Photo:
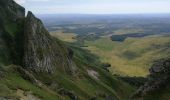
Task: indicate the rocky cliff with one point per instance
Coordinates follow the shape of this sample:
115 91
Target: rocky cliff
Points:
43 53
26 42
10 11
10 30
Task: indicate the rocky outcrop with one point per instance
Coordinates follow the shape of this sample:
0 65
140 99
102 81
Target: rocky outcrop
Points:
43 53
159 78
65 92
6 98
10 10
10 14
40 52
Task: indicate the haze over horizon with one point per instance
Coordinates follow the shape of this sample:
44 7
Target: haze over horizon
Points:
96 6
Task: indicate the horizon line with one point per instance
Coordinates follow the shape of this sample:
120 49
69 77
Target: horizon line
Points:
101 13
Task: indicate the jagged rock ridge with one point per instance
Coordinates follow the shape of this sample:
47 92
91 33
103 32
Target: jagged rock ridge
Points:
26 42
43 53
10 10
10 15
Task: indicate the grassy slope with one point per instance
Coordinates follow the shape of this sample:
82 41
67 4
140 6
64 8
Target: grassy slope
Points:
106 80
133 57
13 81
83 85
69 37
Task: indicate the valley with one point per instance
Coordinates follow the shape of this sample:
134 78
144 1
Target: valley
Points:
142 43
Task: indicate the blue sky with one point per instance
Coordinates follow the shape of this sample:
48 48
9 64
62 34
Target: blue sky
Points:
96 6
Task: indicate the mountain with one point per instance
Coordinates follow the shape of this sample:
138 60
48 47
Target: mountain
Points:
36 66
43 51
10 19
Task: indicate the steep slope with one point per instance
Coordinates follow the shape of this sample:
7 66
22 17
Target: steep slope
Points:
10 11
10 30
45 53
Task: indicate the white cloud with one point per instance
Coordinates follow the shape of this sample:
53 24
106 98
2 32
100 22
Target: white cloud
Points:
20 1
39 0
96 7
24 1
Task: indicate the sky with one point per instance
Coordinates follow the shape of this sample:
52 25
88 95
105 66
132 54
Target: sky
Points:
96 6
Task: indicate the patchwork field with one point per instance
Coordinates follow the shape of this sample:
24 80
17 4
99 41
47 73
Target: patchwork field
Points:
129 44
134 56
69 37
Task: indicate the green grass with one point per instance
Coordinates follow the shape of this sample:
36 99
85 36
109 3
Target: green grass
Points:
82 84
5 91
11 28
84 87
69 37
127 31
161 94
134 56
13 81
84 56
103 44
4 54
107 82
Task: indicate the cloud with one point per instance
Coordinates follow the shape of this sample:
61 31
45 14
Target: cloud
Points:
39 0
24 1
20 1
96 7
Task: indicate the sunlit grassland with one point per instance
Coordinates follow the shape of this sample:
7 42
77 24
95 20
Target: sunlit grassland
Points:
127 30
69 37
132 57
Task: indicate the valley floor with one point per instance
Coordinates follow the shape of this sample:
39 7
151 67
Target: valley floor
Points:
132 57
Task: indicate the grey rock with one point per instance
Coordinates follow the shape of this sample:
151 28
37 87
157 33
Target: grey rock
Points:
11 10
68 93
43 53
159 78
6 98
9 13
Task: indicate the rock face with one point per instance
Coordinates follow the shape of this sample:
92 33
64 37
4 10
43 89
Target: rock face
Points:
28 43
159 78
10 13
43 53
10 10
